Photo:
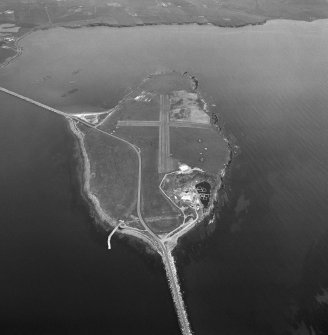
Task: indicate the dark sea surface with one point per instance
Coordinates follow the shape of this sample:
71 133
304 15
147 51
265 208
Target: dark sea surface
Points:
57 276
257 270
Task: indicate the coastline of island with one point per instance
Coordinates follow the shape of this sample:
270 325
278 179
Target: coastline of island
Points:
108 223
103 219
98 214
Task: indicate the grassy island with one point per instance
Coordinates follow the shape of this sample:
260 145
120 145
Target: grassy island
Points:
153 165
167 123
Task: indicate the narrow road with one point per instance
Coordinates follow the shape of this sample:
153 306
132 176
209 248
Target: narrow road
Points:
165 253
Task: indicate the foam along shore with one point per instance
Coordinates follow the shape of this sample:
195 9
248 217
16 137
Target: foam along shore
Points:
94 202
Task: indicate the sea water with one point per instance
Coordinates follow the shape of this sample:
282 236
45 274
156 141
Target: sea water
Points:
257 268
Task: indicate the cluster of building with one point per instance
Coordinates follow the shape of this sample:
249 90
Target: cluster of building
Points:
7 31
7 17
190 197
7 39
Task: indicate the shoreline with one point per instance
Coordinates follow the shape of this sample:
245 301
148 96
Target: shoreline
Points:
100 217
90 24
107 222
155 243
19 49
164 251
148 24
172 241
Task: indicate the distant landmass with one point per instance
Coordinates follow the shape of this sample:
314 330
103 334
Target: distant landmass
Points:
20 17
121 13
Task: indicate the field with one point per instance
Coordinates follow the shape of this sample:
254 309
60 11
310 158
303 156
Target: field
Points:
138 108
114 173
153 204
166 83
203 148
5 54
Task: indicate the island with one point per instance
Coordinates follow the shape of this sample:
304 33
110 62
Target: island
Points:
152 165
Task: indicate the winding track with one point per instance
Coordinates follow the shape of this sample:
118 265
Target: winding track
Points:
167 257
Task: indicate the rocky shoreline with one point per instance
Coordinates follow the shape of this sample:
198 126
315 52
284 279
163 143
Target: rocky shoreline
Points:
104 220
77 25
101 218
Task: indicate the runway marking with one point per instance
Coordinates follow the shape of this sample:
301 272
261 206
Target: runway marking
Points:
165 162
136 123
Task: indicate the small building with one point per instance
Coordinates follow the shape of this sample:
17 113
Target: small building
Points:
184 168
9 39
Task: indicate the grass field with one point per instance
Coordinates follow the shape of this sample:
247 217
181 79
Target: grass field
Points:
203 148
114 173
164 224
153 203
166 83
138 109
5 54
